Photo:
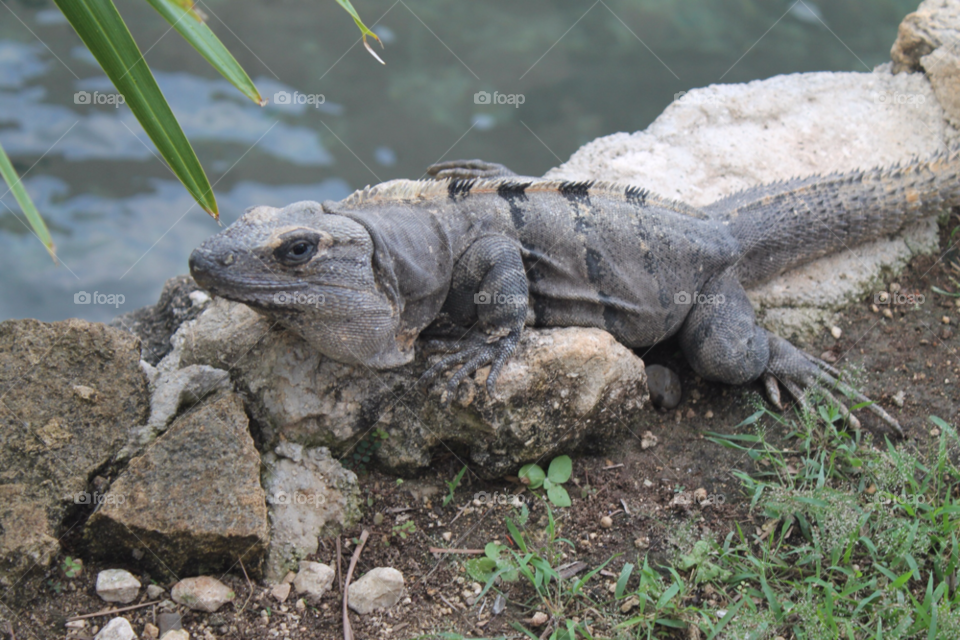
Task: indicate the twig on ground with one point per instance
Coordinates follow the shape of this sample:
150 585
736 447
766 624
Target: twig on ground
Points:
249 586
339 566
612 466
476 524
110 612
464 551
347 631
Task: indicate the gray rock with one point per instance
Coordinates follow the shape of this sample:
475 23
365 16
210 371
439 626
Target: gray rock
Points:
53 438
171 392
378 589
563 389
720 139
193 499
310 495
117 585
665 387
177 634
169 621
156 323
929 40
117 629
202 593
154 591
314 579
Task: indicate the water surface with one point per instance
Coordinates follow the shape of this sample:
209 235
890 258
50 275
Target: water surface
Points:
563 72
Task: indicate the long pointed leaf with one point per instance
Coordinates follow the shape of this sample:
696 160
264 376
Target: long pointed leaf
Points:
190 25
26 204
101 28
363 28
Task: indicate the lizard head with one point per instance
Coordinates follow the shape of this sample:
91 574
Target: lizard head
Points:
310 271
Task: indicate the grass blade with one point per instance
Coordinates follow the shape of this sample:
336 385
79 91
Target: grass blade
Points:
26 204
101 28
190 25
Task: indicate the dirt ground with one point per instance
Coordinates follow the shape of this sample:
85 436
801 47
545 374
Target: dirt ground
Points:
914 352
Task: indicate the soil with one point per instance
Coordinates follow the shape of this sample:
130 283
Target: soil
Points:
910 358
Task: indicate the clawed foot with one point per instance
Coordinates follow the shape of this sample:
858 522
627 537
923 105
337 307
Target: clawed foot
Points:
468 170
476 351
821 377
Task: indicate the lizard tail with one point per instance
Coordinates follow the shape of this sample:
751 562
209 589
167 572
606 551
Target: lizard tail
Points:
786 224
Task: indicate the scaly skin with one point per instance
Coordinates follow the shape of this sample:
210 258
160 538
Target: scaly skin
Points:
486 252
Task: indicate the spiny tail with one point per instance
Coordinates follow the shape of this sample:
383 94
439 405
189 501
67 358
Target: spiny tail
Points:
786 224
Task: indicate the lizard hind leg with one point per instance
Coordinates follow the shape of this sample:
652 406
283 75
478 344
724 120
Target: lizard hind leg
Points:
719 337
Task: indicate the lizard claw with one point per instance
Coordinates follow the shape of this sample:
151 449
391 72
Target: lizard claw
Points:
799 387
472 357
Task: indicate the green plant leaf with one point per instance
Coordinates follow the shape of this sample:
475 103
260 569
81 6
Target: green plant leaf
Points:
560 470
101 28
363 28
534 474
189 24
559 496
26 204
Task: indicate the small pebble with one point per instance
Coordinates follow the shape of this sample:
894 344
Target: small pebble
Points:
894 287
887 313
836 332
700 495
280 592
154 591
117 629
447 536
378 519
934 432
606 522
648 440
828 356
874 308
708 414
691 414
539 619
945 319
117 585
151 631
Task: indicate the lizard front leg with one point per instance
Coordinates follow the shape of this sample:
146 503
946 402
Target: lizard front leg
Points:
722 342
488 294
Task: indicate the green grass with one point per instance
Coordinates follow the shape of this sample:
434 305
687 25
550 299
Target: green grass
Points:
856 541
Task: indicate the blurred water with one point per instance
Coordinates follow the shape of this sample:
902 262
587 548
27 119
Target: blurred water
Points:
558 75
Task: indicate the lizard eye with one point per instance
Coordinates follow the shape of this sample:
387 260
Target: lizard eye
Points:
296 251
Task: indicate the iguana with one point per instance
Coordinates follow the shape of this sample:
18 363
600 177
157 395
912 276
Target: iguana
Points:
487 251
